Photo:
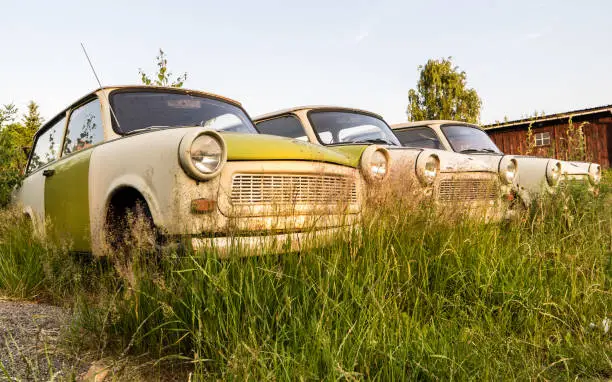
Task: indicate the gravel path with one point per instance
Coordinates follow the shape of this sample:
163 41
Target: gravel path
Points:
29 334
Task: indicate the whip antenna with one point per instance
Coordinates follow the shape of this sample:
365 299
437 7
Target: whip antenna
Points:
100 83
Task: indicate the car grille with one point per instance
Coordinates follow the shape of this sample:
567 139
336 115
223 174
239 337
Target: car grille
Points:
292 189
467 190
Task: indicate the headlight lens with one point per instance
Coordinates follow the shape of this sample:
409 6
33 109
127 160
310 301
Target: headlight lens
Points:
375 163
206 154
202 154
430 170
378 165
553 174
509 172
595 173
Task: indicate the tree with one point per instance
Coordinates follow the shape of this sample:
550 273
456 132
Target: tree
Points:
7 114
13 137
32 121
442 93
162 78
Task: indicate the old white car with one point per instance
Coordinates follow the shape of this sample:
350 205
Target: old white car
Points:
452 179
195 164
537 175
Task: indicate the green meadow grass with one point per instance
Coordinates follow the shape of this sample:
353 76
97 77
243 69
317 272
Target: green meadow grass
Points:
407 297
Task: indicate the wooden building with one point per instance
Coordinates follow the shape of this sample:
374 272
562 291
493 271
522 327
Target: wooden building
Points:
559 135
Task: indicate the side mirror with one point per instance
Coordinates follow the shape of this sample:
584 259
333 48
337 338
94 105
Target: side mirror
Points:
26 150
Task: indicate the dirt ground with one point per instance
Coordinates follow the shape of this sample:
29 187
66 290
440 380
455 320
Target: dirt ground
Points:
29 335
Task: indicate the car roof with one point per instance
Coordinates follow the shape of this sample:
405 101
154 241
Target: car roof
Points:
290 110
144 87
403 125
89 95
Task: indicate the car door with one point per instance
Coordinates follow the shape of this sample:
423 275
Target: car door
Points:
45 152
67 181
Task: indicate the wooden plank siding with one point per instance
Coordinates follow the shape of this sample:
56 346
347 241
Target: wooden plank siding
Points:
597 131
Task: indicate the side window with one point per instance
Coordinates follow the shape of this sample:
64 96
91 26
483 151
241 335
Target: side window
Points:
287 126
422 137
542 139
84 128
47 146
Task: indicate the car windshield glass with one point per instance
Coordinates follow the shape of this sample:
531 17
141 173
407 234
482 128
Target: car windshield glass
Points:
142 109
350 127
469 139
422 137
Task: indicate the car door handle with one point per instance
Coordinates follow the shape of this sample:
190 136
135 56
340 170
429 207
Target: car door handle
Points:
49 172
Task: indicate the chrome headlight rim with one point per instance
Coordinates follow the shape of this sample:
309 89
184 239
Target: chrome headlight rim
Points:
594 174
427 176
185 157
506 175
366 164
553 173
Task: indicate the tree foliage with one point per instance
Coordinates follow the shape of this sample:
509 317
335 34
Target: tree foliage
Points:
14 136
32 121
163 76
442 93
7 114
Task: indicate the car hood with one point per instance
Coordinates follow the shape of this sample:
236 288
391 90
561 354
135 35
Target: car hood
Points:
406 156
271 147
575 168
451 161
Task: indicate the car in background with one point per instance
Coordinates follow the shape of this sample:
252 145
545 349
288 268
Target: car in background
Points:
196 167
452 179
537 176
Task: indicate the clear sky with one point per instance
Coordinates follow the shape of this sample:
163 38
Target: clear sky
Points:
520 56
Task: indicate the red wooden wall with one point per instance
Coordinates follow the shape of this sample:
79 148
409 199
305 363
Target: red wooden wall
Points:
597 132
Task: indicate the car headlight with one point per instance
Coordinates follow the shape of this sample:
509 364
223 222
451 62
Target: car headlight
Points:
428 168
375 163
202 154
594 173
553 172
508 171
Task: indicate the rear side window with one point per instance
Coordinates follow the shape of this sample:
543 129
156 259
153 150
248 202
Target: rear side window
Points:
47 146
84 128
286 126
422 137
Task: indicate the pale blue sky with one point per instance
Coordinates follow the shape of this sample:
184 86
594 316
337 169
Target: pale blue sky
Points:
519 55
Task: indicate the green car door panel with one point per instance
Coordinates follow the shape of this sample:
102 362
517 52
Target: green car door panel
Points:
67 200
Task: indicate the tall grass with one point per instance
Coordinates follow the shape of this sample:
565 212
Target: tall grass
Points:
21 266
408 297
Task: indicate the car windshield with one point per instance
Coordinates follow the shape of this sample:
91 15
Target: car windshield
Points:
350 127
143 109
467 139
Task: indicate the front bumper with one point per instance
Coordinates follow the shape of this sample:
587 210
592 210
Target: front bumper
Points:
268 244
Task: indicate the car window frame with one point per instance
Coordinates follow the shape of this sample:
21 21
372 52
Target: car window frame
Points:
344 110
167 90
285 115
69 116
442 126
421 127
47 126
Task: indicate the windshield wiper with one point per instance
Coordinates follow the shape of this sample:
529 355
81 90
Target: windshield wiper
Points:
376 140
136 131
468 151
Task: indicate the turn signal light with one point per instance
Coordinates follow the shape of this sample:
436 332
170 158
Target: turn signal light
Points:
202 206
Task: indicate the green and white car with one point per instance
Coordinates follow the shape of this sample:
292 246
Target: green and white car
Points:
195 164
457 182
537 176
